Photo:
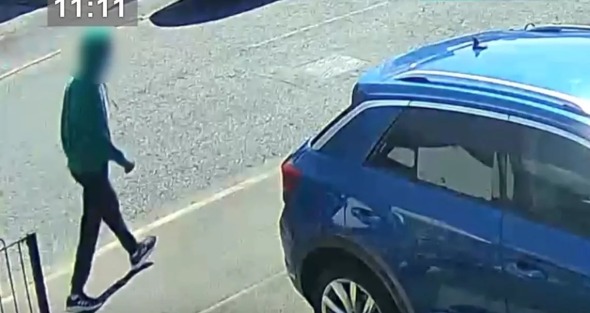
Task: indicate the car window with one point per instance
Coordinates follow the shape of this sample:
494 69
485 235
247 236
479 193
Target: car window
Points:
552 180
360 133
459 152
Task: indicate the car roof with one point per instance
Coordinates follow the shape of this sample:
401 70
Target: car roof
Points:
547 60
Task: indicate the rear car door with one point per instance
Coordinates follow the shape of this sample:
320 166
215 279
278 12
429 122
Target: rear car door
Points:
546 229
438 167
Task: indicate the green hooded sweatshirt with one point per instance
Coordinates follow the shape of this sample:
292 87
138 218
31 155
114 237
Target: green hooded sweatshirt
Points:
85 134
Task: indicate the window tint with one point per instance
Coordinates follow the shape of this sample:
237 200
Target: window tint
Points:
552 180
361 133
331 124
460 152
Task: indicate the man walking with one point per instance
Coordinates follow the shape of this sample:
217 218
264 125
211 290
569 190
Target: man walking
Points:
87 144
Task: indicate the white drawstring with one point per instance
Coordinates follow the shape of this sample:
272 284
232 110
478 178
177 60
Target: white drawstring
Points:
108 98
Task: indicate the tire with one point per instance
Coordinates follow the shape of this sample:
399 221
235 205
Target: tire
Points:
344 274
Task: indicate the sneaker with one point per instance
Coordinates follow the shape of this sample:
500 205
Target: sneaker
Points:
144 250
82 303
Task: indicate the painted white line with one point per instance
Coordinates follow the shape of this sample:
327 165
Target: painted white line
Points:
193 207
242 292
29 64
313 26
165 220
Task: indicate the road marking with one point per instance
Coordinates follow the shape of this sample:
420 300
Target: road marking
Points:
313 26
29 64
242 292
245 184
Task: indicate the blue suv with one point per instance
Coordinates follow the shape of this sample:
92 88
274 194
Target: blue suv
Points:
457 180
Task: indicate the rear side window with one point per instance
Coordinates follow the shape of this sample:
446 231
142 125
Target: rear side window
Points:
552 181
325 131
462 153
360 132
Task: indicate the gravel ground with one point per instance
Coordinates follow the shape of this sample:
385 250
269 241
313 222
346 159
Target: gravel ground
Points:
201 105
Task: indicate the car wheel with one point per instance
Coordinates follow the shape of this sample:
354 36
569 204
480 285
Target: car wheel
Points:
350 288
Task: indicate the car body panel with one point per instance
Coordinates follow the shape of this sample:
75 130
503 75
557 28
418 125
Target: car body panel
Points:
443 256
317 212
557 269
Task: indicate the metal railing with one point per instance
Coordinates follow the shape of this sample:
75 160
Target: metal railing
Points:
24 267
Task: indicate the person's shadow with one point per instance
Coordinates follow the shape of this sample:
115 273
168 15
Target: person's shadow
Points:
111 290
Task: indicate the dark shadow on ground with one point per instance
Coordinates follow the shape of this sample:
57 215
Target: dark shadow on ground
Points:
109 292
10 9
191 12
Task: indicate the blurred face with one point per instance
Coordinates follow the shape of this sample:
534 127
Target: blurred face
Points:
105 62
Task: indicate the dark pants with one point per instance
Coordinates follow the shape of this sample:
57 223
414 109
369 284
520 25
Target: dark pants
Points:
100 204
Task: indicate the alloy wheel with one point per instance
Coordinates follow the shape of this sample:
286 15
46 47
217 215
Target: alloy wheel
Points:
345 296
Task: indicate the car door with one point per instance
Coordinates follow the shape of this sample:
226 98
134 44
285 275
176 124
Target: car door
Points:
440 173
546 229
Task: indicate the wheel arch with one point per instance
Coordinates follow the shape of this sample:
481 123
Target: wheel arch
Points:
338 248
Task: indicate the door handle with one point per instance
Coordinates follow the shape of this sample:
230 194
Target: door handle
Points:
365 216
525 270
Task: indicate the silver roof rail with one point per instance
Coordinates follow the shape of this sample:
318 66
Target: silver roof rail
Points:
556 27
581 104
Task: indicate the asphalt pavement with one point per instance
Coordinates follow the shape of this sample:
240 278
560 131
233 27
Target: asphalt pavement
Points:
201 106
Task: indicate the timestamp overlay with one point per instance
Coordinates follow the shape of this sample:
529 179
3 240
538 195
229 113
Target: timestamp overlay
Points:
92 13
